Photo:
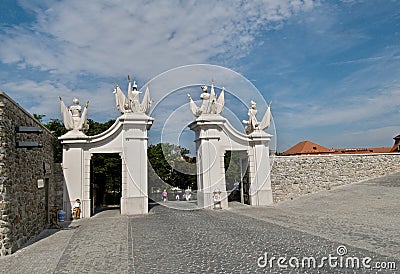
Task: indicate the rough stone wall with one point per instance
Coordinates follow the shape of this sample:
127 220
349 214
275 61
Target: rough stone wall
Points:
58 187
294 176
24 206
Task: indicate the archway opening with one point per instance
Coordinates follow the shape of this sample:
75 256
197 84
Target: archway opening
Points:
106 182
172 169
236 176
232 175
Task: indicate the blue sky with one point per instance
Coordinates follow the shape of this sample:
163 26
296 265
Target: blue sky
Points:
331 68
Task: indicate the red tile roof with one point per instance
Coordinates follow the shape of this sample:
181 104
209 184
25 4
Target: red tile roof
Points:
307 147
362 150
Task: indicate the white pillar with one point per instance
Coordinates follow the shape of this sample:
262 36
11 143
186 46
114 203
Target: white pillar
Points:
134 198
244 162
124 177
86 205
210 161
259 169
73 169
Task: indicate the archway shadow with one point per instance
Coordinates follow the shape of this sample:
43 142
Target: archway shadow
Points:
152 205
107 211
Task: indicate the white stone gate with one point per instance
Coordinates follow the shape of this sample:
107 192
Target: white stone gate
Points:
214 136
127 137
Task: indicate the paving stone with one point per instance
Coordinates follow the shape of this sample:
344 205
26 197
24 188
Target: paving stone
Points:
362 217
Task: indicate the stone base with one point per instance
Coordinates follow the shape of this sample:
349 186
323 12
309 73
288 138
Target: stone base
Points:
205 200
134 205
261 198
73 134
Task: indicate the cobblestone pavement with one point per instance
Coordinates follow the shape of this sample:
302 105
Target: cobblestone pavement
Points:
363 217
365 214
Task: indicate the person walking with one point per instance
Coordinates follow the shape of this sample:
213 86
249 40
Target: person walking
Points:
164 195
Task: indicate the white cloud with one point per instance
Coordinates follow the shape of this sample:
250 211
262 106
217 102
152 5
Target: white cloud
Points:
374 137
73 41
42 98
111 38
353 109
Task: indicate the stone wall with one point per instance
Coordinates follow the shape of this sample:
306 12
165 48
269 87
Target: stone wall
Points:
56 196
294 176
24 204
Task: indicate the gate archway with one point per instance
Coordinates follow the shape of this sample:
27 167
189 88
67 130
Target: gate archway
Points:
214 135
105 181
128 138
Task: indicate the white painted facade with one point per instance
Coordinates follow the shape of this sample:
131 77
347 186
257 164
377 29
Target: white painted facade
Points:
128 137
214 135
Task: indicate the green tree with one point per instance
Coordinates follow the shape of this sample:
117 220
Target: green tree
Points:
97 128
232 169
57 128
170 165
106 174
39 117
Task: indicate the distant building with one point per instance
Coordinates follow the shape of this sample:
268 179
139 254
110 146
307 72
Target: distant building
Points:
362 150
307 148
310 148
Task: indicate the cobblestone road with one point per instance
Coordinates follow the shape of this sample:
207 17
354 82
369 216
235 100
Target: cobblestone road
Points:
363 217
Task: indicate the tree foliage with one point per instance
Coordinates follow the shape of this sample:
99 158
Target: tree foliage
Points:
39 117
170 166
106 178
56 127
97 128
232 169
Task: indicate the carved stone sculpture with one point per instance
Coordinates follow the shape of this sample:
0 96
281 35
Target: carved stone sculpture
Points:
132 103
73 116
210 103
252 124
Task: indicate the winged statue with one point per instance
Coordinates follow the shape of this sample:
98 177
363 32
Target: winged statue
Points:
73 116
252 124
132 103
210 103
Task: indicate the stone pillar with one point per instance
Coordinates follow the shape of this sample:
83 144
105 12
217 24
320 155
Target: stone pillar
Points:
210 160
124 177
86 204
134 198
259 169
244 162
73 169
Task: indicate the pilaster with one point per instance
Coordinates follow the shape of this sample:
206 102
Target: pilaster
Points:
260 170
